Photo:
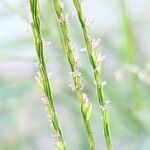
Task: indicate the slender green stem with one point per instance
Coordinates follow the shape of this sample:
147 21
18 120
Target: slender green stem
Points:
43 77
96 72
85 107
128 39
129 47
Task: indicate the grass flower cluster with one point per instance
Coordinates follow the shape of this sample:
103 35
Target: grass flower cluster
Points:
42 76
86 106
78 87
96 64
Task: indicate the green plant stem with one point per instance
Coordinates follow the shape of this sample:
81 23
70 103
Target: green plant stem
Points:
128 39
34 5
74 68
129 47
97 73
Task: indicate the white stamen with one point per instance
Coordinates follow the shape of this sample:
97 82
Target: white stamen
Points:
64 18
83 49
46 43
77 59
76 88
85 98
44 100
56 137
104 83
29 29
73 13
50 75
75 53
38 65
104 107
75 74
95 43
89 21
100 58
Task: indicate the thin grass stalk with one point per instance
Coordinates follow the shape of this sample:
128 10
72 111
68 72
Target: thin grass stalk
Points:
96 65
85 107
129 51
42 75
129 44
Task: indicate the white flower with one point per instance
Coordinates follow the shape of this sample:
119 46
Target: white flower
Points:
28 10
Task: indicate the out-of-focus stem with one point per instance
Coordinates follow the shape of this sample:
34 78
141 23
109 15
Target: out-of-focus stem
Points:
129 46
129 50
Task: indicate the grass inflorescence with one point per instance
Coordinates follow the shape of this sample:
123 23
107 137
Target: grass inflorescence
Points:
95 61
96 65
86 106
42 77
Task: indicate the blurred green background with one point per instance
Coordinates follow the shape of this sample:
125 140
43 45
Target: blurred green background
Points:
124 29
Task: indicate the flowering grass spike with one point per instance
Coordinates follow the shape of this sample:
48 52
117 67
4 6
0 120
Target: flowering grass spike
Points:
42 76
86 108
92 44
